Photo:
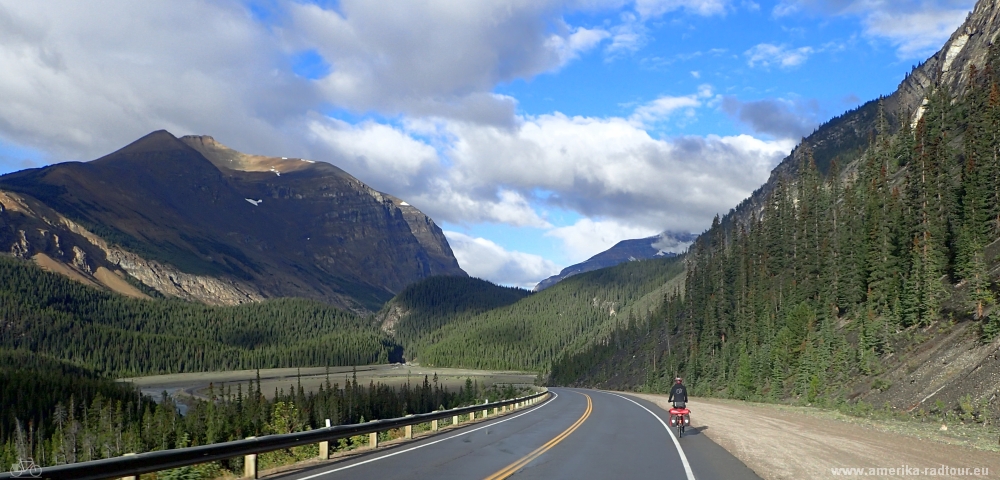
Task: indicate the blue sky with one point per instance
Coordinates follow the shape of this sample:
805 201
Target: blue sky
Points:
537 133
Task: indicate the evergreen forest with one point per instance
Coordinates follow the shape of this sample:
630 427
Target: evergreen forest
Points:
48 314
426 306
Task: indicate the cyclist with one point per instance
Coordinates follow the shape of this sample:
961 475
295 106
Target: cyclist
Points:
678 394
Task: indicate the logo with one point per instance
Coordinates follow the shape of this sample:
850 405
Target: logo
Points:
26 468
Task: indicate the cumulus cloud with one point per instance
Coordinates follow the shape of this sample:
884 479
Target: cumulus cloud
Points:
483 258
661 108
915 34
766 55
83 78
601 167
779 118
569 47
436 58
674 242
917 28
612 168
587 237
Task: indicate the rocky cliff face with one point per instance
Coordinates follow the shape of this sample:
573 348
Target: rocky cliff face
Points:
194 219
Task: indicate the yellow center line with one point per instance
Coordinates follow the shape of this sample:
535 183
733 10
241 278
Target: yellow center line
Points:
510 469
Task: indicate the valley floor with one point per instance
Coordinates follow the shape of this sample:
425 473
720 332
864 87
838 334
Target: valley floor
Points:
783 442
196 384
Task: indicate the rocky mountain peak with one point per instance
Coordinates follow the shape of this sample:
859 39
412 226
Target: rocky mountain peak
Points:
950 67
160 140
193 218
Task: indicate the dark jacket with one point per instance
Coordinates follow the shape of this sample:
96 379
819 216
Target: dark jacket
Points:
678 393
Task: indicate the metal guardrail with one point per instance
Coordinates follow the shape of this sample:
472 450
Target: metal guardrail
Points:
134 465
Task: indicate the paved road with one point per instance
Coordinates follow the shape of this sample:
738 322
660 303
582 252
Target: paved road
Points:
580 434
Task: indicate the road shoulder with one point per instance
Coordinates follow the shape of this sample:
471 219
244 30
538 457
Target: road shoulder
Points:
782 444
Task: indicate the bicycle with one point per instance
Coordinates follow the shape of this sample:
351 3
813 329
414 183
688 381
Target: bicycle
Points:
26 466
680 418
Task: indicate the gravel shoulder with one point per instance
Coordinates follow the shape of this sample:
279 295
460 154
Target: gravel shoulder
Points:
782 442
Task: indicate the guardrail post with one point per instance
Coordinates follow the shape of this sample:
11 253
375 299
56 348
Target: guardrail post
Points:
454 420
324 446
495 411
250 464
409 431
434 426
373 440
486 413
132 477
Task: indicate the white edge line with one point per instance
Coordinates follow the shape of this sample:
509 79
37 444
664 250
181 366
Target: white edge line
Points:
684 459
554 395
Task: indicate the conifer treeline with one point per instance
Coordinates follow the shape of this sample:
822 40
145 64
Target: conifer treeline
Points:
819 284
46 313
424 307
57 413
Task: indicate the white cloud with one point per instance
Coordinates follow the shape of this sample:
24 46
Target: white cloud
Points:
436 58
766 55
485 259
600 167
611 168
628 36
661 108
655 8
81 79
587 237
917 28
569 47
376 148
915 34
674 243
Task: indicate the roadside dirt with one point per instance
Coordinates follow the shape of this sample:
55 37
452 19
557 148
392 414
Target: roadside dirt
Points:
779 442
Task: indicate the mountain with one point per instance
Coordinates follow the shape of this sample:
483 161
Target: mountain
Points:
865 271
190 218
666 244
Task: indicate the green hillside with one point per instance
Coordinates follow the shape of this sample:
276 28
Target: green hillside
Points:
426 306
529 334
49 314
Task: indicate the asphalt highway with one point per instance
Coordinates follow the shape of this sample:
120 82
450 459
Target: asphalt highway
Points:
579 434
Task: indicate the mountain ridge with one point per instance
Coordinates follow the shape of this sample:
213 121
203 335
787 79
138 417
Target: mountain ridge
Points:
666 244
171 214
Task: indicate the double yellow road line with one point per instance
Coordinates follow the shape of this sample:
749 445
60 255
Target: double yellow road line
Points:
514 467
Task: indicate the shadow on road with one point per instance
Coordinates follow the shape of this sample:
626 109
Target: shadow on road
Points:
695 430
